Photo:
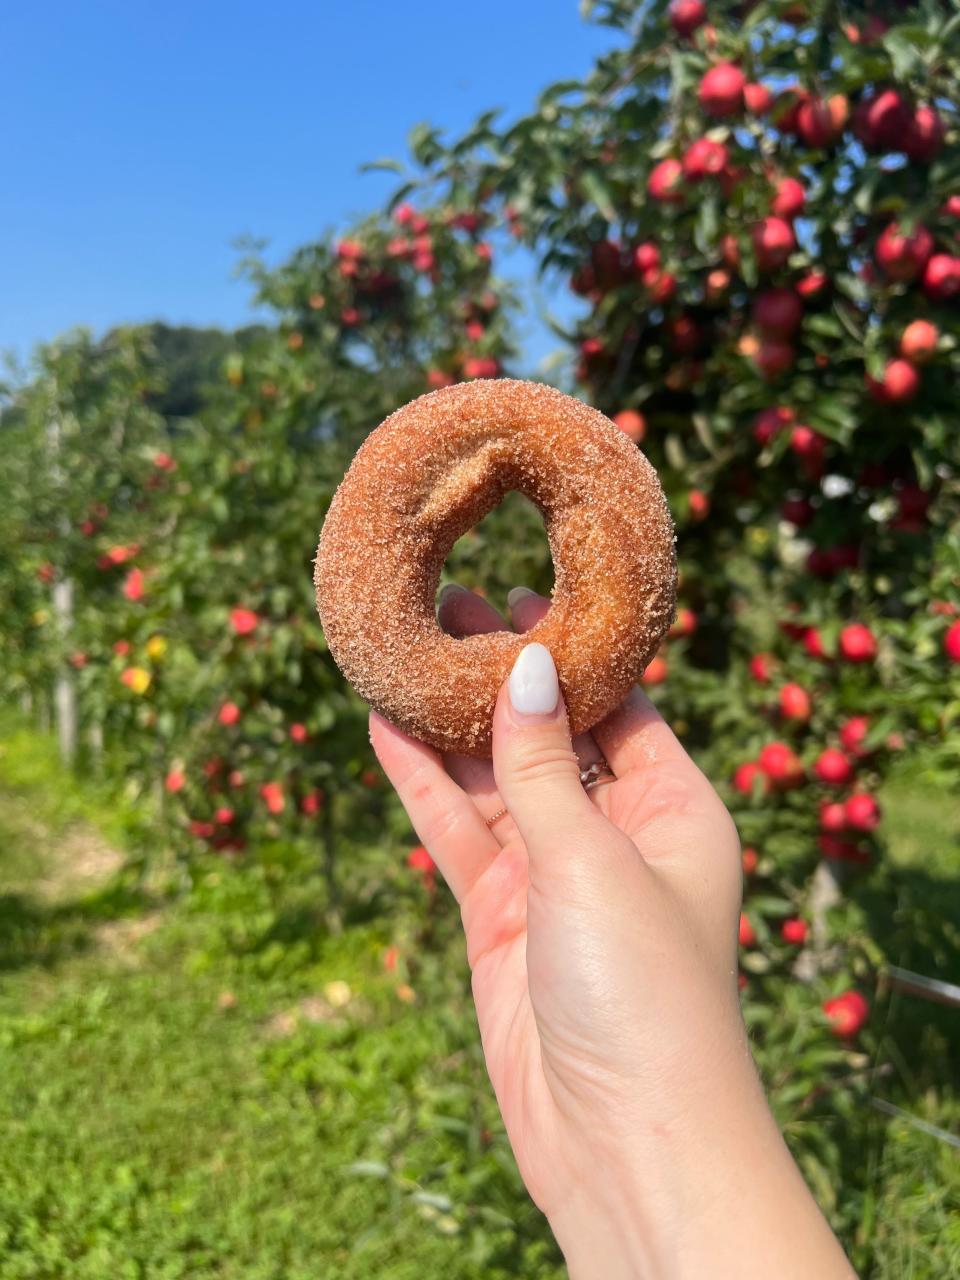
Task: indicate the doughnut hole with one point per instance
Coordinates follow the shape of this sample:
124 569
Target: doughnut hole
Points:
507 548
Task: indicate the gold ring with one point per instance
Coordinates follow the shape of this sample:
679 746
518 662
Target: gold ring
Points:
597 774
501 813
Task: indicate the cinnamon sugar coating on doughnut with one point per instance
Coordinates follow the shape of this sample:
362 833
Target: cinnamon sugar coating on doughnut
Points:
429 473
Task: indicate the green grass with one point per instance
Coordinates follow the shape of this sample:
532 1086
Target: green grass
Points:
201 1080
185 1094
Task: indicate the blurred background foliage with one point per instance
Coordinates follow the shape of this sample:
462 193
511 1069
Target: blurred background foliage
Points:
245 1046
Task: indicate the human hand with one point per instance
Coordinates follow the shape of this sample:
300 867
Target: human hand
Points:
601 932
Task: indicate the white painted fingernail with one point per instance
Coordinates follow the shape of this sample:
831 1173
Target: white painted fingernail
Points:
516 594
533 685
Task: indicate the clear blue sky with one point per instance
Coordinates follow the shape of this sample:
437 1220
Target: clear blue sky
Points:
141 139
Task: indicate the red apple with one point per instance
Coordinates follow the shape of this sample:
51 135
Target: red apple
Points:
834 849
781 765
761 667
665 182
656 672
745 775
481 367
730 251
820 122
951 642
813 643
698 505
900 383
646 257
685 623
833 767
631 423
769 422
418 859
175 781
704 158
833 816
772 356
846 1014
882 120
918 342
229 713
243 621
795 702
133 585
717 283
773 242
853 734
812 284
810 447
273 797
904 256
686 16
862 811
798 511
777 312
606 259
312 803
660 285
721 90
924 136
794 931
941 277
857 643
789 199
758 98
746 935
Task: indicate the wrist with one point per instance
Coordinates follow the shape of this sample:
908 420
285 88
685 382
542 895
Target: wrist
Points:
709 1189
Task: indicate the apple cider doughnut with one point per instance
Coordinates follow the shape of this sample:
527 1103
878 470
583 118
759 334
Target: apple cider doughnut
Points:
426 476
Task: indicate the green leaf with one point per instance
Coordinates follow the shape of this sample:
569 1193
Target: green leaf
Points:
707 225
596 190
676 454
368 1169
701 424
386 164
903 45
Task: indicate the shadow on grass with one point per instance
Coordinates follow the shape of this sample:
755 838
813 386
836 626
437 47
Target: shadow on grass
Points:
916 914
38 933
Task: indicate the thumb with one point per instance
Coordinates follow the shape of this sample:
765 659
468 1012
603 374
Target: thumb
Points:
534 763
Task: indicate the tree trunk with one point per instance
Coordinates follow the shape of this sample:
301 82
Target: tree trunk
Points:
64 689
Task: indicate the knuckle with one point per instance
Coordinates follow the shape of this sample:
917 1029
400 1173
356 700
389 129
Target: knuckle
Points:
540 760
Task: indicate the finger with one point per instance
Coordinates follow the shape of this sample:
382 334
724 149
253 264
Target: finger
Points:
461 612
526 610
635 736
534 763
673 814
445 819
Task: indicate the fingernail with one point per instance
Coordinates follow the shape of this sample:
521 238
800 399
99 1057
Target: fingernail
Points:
516 594
450 590
533 685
